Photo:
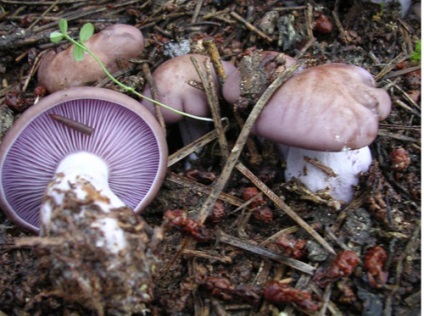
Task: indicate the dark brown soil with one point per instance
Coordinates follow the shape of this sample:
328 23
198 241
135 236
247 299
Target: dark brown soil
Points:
226 265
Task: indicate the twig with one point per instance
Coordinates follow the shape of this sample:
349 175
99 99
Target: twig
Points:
180 180
343 34
245 245
305 48
33 70
309 21
283 206
210 91
401 72
153 89
213 53
196 11
250 26
192 147
43 14
204 255
392 64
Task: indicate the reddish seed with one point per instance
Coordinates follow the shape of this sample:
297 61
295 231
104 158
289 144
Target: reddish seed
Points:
218 212
373 262
40 91
280 293
250 193
180 219
201 176
263 214
400 159
292 247
343 265
323 24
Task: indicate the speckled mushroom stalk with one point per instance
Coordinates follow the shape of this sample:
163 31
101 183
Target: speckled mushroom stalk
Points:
82 178
329 114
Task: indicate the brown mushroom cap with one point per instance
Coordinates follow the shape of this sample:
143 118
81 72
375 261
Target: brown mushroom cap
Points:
171 79
330 107
117 42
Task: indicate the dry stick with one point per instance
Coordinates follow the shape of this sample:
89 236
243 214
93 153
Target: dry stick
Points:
344 35
196 11
392 64
242 244
192 147
209 89
333 309
220 72
408 98
305 48
250 26
33 70
80 14
213 53
205 255
283 206
401 72
325 300
180 180
309 21
43 14
221 181
154 91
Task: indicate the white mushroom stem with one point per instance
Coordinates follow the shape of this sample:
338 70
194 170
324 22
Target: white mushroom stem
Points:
340 176
81 184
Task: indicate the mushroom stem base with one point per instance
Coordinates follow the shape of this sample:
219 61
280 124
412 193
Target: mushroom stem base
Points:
319 170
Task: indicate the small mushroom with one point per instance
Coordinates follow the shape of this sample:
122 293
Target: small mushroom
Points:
113 46
124 158
328 114
172 81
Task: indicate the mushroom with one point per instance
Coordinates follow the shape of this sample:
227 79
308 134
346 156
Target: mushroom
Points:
328 115
114 44
171 79
124 158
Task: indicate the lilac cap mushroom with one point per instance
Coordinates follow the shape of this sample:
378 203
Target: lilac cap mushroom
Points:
125 155
171 79
115 43
329 113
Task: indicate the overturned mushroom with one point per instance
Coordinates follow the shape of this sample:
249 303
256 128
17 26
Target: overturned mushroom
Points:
126 143
113 46
330 114
88 157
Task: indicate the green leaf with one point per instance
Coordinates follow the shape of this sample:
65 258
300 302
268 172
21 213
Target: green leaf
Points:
416 55
63 25
78 53
56 37
86 32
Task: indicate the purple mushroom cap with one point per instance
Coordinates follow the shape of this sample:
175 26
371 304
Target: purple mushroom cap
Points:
125 135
